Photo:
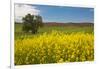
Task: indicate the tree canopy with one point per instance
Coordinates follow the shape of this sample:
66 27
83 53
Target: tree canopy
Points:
31 23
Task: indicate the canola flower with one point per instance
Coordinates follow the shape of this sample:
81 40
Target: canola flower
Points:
56 47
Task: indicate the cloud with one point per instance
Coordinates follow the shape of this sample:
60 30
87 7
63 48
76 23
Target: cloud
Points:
21 10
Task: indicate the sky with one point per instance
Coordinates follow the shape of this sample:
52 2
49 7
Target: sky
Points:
49 13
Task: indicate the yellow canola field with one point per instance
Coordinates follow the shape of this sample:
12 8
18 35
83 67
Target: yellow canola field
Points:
56 47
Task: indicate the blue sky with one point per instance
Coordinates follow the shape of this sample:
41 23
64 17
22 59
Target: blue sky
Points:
60 13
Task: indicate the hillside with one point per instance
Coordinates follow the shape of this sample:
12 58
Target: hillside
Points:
65 24
68 24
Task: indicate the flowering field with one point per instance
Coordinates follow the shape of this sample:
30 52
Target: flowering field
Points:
55 47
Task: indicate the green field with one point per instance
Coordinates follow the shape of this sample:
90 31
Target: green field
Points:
67 29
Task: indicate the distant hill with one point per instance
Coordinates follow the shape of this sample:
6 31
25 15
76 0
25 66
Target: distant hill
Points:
64 24
67 24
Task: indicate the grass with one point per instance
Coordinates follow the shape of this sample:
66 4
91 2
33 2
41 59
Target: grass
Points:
68 29
19 34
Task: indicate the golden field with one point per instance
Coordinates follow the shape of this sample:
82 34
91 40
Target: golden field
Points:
56 47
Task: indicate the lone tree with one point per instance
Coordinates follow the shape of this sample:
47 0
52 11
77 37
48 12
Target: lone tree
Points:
32 23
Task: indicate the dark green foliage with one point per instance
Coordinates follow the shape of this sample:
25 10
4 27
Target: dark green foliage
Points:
31 23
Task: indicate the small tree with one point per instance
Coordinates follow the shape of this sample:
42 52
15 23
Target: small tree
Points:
32 23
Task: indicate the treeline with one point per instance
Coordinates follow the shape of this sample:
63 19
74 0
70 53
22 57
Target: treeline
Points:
68 24
64 24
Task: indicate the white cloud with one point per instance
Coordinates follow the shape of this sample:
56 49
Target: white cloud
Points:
22 10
